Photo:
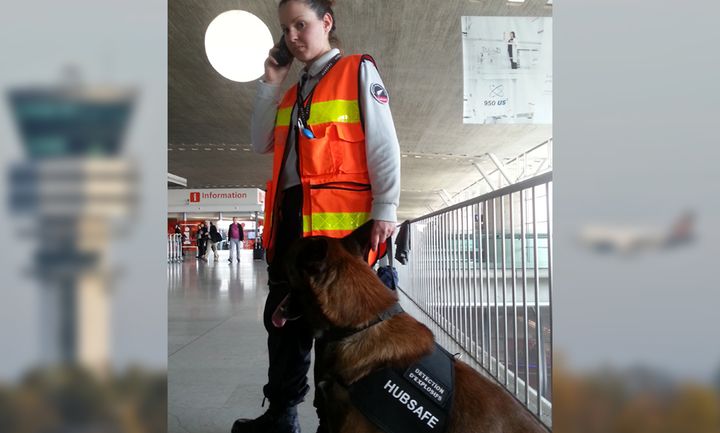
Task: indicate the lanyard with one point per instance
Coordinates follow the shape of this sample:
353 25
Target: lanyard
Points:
303 106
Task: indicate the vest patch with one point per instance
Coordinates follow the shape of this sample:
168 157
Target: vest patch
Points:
379 93
416 400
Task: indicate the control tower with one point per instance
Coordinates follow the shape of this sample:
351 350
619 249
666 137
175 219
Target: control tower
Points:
70 194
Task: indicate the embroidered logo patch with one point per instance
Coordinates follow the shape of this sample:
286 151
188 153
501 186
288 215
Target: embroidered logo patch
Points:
379 93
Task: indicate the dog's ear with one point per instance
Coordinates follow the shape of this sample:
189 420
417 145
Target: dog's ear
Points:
311 258
358 242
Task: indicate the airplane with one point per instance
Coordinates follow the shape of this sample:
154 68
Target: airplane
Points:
631 240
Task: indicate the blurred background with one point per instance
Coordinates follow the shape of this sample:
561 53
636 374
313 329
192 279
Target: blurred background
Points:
83 156
636 213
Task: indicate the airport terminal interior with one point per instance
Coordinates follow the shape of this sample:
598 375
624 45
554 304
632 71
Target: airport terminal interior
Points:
472 110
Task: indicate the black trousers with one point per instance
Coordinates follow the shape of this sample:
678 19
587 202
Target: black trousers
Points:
202 247
289 347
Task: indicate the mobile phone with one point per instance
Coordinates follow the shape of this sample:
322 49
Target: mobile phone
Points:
282 55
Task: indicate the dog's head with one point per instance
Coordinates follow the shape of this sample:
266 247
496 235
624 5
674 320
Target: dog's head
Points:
331 282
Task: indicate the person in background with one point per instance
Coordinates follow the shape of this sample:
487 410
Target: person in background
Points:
202 239
213 239
178 231
235 239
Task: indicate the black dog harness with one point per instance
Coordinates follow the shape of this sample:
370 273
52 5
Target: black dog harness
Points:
415 400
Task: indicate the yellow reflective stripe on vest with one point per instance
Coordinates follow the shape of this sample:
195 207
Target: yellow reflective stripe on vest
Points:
334 221
283 116
338 111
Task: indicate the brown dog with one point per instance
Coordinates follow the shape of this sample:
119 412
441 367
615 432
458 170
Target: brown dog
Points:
342 298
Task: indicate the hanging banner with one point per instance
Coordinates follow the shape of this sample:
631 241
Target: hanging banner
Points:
507 70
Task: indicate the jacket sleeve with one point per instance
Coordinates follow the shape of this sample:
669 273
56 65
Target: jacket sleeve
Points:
262 123
382 147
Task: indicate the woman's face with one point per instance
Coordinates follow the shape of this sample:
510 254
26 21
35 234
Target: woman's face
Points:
305 34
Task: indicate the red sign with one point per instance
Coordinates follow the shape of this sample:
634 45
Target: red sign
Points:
194 197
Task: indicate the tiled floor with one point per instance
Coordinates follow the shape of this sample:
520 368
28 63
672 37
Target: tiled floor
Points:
217 356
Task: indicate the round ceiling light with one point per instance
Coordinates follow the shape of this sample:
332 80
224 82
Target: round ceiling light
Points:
237 44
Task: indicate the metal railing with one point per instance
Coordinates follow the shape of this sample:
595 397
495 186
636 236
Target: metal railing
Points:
481 271
174 248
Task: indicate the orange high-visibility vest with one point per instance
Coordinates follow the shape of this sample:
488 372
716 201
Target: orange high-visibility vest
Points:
332 165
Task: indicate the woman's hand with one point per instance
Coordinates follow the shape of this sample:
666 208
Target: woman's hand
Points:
381 230
274 73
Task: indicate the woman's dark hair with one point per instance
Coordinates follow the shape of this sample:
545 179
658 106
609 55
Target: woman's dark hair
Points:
321 7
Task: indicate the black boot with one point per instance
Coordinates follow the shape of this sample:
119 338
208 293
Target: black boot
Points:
274 420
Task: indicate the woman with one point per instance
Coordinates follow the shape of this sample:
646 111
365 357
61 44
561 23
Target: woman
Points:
336 165
512 51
